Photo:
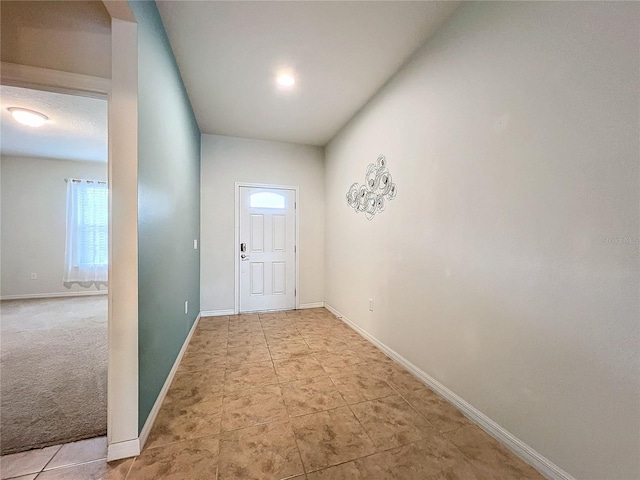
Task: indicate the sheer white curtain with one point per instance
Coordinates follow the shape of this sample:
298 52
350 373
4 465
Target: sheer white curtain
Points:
86 260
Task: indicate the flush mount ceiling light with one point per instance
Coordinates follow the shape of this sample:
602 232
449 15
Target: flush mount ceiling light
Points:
285 80
28 117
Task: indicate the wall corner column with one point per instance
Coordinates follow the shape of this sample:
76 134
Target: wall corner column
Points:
122 424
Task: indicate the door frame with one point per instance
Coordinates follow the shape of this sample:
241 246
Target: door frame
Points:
236 238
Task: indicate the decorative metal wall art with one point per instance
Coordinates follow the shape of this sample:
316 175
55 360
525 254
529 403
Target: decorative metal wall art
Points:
378 187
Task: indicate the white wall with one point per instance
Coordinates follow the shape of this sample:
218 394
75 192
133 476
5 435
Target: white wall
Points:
34 222
67 36
226 160
513 139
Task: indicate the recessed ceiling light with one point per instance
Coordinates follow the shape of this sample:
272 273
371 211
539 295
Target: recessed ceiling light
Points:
28 117
285 80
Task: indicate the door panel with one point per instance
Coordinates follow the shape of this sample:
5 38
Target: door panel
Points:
257 278
279 278
279 233
257 234
267 267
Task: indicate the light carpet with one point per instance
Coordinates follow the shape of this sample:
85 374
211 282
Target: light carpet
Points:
53 371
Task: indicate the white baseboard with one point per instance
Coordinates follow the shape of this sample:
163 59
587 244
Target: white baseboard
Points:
513 443
216 313
54 295
117 451
311 305
148 424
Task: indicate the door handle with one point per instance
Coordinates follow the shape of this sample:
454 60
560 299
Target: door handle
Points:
244 257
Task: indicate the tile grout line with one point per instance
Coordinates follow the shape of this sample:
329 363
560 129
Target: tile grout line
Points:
52 469
53 456
313 354
395 389
304 470
289 420
218 435
366 456
48 461
355 416
130 467
184 440
378 449
295 439
224 381
220 429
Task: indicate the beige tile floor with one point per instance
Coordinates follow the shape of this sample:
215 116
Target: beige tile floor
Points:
298 395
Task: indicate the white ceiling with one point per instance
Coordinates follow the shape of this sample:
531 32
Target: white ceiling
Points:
76 129
340 52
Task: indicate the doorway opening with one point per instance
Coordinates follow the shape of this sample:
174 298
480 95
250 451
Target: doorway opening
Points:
54 214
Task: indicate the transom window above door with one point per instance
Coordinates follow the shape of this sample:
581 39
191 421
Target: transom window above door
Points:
267 200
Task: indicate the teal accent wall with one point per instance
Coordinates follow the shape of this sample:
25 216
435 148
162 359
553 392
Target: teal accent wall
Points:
168 207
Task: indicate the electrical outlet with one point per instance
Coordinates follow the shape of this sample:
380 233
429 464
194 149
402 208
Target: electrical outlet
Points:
371 304
186 307
195 244
34 276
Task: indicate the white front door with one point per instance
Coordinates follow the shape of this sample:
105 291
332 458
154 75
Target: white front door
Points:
267 249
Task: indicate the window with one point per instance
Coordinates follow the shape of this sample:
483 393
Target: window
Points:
266 200
86 253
